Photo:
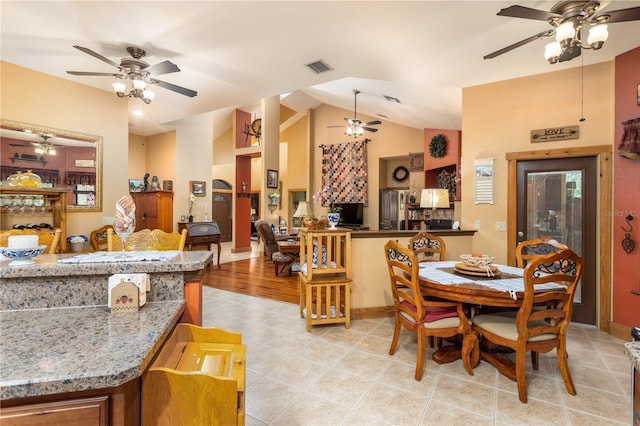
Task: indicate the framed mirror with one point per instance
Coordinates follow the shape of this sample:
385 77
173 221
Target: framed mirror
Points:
62 158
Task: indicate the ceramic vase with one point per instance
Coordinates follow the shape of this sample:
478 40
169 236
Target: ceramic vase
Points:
333 219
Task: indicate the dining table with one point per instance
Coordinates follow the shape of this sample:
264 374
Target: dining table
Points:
500 286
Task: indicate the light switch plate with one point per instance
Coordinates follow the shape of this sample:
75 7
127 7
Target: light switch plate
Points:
477 224
501 226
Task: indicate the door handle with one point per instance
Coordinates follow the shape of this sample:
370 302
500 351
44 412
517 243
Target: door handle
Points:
520 234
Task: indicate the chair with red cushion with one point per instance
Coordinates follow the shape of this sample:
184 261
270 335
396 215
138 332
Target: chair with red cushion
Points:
423 316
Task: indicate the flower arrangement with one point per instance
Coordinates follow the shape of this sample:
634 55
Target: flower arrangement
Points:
192 199
273 194
323 196
77 239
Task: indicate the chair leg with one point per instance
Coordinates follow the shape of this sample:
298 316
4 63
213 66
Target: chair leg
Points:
521 358
470 352
431 341
420 358
564 368
396 335
535 359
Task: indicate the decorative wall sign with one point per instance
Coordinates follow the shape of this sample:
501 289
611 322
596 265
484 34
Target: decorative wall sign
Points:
555 134
85 163
416 162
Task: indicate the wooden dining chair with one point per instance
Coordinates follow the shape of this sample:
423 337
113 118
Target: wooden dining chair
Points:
531 249
98 238
428 247
147 239
425 317
535 330
46 237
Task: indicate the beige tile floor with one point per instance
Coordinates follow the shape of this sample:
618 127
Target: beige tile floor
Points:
335 376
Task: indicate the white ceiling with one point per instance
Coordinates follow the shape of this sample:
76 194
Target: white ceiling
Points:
234 53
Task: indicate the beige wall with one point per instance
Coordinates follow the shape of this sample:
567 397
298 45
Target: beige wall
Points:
391 140
37 98
137 156
498 118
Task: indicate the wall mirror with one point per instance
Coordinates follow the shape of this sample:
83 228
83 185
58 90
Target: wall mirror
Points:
62 158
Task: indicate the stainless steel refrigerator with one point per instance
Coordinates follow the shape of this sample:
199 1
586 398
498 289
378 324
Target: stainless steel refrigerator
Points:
391 209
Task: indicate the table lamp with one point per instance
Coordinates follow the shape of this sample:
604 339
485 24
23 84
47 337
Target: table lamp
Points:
303 210
434 198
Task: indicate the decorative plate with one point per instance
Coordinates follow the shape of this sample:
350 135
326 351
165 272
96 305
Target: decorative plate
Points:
21 256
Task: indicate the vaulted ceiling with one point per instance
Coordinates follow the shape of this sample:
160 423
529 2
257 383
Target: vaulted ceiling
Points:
233 53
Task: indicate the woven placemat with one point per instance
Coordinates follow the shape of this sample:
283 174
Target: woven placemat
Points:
503 275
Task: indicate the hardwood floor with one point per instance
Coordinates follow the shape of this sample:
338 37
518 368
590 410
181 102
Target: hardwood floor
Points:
255 277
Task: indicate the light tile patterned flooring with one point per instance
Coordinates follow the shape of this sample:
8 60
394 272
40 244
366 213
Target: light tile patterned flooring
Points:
335 376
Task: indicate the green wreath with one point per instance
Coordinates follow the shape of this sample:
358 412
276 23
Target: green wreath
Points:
437 146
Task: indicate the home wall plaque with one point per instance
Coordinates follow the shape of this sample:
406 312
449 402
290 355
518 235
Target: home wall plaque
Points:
555 134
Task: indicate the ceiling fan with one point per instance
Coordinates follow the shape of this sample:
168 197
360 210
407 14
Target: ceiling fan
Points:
43 147
356 127
137 71
568 19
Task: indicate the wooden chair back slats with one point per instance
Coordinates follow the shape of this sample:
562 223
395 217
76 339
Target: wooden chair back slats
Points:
46 237
147 239
428 247
325 252
538 247
98 238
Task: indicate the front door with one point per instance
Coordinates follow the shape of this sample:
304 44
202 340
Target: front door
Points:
557 198
221 213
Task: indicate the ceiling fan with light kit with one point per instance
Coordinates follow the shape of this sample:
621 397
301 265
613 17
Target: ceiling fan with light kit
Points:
138 72
44 147
356 127
568 19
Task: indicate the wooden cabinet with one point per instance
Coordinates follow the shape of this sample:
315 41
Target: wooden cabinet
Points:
444 172
24 205
197 378
81 412
154 210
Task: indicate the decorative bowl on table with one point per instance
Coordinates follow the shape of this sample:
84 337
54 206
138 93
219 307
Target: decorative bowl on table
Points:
21 256
477 261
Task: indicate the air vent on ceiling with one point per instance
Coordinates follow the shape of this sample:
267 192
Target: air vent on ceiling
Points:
319 66
392 99
382 116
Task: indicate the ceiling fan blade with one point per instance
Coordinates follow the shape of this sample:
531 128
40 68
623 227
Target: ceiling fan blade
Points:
164 67
622 15
546 33
97 55
370 129
328 127
175 88
99 74
373 123
516 11
349 121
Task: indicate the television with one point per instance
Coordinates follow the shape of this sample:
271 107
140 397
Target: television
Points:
352 214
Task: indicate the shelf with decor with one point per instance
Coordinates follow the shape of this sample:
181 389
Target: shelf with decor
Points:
442 161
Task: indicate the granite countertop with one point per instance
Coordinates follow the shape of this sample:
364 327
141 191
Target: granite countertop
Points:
632 349
48 265
50 351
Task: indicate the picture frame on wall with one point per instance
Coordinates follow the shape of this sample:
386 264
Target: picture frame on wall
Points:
136 185
272 178
198 188
167 185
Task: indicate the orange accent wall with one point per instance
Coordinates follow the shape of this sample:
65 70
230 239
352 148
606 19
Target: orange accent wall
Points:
242 118
452 150
242 237
626 196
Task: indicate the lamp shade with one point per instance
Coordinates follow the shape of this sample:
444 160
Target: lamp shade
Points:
303 210
434 198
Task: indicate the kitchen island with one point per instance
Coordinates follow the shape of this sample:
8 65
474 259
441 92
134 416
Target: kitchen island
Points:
632 349
64 356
